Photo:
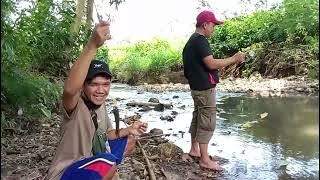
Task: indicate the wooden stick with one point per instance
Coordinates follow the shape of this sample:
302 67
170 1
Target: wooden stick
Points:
164 173
150 170
115 111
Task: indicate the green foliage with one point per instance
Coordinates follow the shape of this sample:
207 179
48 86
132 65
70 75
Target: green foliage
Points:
301 19
37 48
36 44
292 27
103 53
294 23
34 93
243 31
143 58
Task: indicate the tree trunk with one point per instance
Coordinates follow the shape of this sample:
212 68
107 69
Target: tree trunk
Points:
89 14
80 11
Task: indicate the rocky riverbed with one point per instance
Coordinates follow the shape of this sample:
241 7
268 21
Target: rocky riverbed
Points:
26 152
255 85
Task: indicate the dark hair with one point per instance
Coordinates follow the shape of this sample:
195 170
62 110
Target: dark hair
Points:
199 24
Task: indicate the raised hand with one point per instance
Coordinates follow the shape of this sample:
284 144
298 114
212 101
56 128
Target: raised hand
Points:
138 128
100 34
239 57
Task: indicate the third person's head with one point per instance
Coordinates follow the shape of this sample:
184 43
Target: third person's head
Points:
206 21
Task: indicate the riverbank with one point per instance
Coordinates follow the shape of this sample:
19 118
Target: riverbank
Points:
255 85
27 153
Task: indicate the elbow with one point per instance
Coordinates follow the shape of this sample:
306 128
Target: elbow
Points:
69 91
215 65
212 63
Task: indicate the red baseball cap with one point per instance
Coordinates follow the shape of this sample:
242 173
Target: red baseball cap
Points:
207 16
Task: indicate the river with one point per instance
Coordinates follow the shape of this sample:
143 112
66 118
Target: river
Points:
261 137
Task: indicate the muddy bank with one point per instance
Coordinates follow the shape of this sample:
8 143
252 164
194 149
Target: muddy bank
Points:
27 155
255 85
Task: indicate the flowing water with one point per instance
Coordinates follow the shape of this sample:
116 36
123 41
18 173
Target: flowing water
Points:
262 137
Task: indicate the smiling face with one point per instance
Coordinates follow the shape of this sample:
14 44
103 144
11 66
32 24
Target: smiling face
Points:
97 89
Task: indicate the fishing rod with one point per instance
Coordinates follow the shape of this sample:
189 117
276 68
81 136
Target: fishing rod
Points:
97 13
99 16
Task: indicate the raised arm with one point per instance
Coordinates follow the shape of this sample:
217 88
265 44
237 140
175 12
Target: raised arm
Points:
79 70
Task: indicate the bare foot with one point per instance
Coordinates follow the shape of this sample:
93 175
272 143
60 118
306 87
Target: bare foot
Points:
212 165
198 155
195 154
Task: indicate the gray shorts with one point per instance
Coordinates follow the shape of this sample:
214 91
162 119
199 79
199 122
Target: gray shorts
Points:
203 121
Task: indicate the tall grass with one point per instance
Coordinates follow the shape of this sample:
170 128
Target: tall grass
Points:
143 58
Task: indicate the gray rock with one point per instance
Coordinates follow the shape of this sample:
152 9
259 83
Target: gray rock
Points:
174 113
167 118
156 131
145 108
154 100
159 107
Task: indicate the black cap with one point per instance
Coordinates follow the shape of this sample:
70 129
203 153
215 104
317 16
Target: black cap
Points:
98 67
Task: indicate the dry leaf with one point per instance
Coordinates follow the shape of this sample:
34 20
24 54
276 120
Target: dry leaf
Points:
263 115
20 112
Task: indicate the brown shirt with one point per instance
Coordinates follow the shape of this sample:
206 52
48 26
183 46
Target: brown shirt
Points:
77 132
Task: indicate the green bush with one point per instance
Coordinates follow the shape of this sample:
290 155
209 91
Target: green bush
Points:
143 58
36 48
241 32
35 94
294 23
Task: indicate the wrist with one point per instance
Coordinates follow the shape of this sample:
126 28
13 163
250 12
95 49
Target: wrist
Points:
91 45
129 130
118 134
234 59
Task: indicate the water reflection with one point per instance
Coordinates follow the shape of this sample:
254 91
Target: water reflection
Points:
292 122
